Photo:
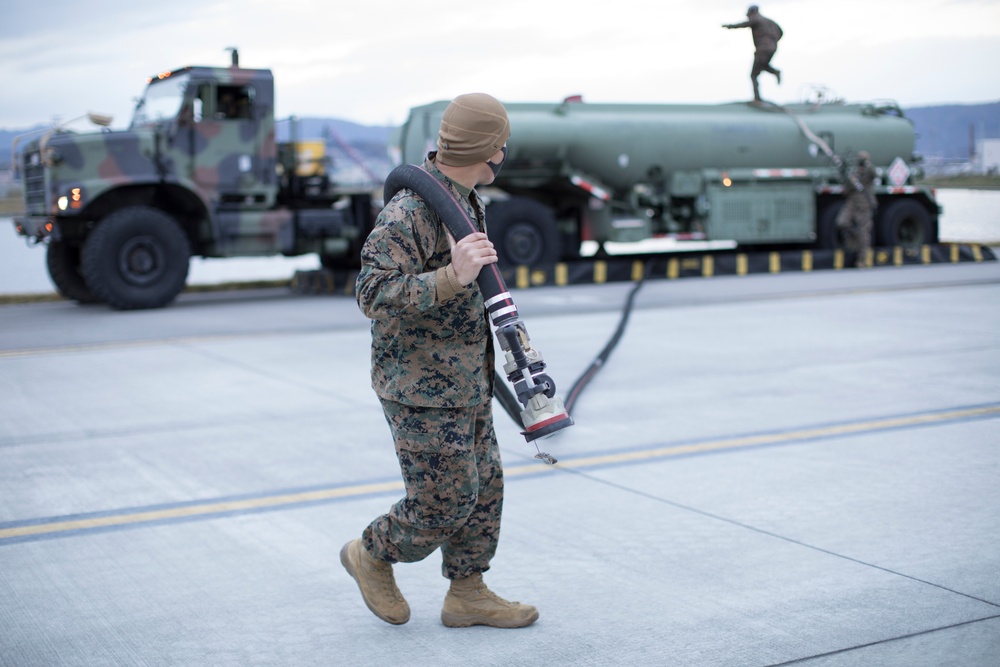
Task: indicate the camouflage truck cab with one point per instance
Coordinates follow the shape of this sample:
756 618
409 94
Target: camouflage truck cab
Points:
198 172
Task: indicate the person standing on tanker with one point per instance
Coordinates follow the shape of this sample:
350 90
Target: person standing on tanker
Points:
858 211
432 369
766 34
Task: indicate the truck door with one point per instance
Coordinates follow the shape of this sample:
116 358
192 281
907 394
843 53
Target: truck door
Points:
231 147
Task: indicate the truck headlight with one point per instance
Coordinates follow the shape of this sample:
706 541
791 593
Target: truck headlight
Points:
74 200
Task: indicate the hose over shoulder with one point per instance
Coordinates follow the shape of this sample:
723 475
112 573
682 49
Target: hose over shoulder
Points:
458 222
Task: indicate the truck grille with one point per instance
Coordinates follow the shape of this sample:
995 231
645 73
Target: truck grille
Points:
34 183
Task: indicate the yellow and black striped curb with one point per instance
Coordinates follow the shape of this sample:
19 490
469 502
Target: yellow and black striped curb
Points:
687 265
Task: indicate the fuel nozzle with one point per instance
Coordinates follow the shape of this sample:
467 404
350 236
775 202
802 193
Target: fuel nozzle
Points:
543 413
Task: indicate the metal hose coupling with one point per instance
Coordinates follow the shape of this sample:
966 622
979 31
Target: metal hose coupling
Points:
543 413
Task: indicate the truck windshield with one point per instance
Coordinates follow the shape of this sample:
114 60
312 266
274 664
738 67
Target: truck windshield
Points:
162 100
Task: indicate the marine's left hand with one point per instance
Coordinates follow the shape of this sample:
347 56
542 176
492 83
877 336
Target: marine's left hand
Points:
470 254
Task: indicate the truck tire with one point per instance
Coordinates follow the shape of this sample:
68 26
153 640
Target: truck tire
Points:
136 257
904 222
524 233
828 235
63 261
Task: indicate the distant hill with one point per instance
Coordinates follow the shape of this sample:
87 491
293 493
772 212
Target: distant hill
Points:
948 131
944 132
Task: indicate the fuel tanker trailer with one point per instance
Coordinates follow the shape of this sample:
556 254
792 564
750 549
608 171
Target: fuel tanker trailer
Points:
762 176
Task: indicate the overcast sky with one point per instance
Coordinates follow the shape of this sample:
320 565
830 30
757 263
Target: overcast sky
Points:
370 61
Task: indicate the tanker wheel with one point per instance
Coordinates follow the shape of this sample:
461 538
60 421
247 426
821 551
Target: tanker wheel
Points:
63 261
136 257
524 233
828 235
904 223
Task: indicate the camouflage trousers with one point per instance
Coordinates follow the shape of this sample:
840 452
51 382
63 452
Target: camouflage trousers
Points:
856 215
454 489
761 63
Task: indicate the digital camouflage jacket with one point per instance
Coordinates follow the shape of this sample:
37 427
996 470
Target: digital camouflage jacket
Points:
431 339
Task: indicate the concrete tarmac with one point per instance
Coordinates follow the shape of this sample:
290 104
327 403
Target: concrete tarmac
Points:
770 470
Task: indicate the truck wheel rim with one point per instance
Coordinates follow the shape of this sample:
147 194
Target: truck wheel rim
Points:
523 243
141 261
910 233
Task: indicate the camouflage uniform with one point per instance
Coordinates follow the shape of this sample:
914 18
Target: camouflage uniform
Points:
432 368
766 34
858 210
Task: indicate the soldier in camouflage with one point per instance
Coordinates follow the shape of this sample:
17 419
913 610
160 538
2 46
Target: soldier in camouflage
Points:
858 211
766 34
432 368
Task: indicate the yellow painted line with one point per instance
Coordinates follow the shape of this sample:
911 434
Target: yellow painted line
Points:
977 252
954 253
249 504
925 254
838 259
807 260
777 438
198 510
741 264
897 255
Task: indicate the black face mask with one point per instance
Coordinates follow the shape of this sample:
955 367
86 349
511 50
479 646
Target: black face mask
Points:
495 168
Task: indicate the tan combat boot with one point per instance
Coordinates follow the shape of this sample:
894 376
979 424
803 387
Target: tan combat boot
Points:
378 586
469 602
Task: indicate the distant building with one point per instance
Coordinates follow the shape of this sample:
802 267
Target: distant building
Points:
988 156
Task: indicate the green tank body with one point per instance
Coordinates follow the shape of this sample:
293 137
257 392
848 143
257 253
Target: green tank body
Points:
622 144
758 175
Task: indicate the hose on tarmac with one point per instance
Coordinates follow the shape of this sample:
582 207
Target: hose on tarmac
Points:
509 403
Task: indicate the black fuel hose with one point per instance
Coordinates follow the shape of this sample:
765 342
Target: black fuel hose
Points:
509 402
598 363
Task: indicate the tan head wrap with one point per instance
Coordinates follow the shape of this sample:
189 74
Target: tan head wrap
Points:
474 127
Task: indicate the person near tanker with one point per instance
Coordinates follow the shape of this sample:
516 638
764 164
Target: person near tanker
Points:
766 34
858 212
432 368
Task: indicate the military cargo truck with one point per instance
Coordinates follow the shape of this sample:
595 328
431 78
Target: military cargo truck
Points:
198 172
759 175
